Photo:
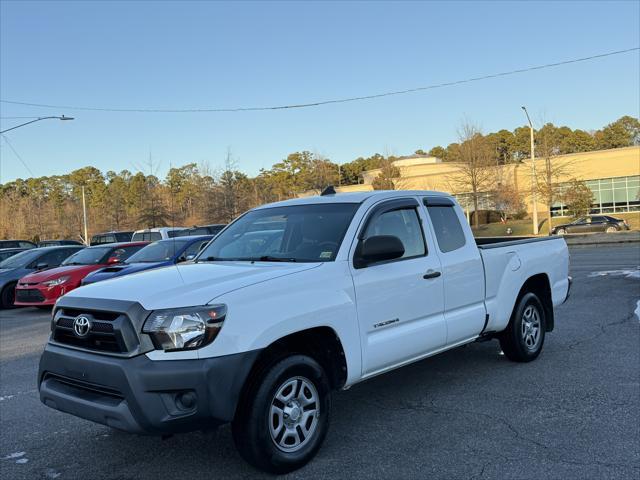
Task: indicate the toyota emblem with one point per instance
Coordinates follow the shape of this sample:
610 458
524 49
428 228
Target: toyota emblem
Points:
81 326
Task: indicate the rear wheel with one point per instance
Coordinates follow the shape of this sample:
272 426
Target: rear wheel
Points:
523 338
8 296
284 416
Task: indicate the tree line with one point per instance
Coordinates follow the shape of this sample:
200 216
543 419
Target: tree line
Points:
51 206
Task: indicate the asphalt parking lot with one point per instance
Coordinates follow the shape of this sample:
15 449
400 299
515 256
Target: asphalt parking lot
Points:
468 413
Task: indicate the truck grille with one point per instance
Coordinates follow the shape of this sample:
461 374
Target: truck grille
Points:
108 332
29 295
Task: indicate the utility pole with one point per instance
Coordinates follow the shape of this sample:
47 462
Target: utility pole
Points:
534 200
84 215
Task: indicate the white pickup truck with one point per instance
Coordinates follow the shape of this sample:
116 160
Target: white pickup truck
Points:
289 302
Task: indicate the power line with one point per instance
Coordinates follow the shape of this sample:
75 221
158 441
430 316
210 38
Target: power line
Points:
18 156
16 118
324 102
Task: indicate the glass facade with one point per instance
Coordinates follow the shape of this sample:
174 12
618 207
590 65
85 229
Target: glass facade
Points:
611 195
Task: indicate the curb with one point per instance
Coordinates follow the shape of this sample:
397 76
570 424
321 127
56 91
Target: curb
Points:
600 239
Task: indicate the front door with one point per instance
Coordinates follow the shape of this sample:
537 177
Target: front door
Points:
400 302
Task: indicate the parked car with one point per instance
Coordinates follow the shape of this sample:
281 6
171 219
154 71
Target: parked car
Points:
43 288
17 244
57 243
358 285
25 262
10 252
154 234
595 223
201 230
155 255
110 237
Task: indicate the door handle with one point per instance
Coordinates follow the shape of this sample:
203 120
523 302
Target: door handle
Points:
431 274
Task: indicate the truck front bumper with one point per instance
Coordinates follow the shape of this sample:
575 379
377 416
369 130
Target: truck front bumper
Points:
140 395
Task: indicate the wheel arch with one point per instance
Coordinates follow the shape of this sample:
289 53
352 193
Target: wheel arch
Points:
321 343
540 285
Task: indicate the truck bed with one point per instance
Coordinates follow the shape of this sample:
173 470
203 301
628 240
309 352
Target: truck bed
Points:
510 261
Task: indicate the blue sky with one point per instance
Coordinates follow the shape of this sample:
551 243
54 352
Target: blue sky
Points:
206 54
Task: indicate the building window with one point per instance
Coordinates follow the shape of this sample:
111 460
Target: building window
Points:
610 195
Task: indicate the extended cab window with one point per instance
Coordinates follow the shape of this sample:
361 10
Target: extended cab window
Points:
446 225
297 233
405 225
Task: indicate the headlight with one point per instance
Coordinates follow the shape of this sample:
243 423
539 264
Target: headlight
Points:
57 281
185 328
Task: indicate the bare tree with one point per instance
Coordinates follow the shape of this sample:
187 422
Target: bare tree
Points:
476 171
549 180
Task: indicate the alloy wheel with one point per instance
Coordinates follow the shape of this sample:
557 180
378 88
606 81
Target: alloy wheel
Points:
294 413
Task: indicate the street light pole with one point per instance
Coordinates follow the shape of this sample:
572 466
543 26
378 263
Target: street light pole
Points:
534 200
84 216
33 121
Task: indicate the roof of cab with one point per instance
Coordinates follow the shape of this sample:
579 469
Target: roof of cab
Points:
352 197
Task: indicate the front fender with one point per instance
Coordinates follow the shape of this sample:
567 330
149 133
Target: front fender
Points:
259 315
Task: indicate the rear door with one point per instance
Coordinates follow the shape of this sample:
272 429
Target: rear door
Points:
598 224
399 302
462 270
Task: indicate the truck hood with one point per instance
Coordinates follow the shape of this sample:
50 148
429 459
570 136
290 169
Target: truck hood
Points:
188 284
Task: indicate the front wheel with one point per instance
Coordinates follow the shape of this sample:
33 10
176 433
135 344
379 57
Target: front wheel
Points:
561 231
524 336
7 296
284 416
611 230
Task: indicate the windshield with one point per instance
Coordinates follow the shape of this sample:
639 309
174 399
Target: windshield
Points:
88 256
21 259
158 252
299 233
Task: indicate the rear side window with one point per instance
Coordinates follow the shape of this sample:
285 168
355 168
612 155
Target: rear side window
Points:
447 226
123 237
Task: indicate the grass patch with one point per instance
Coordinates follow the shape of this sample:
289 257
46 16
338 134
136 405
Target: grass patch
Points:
524 227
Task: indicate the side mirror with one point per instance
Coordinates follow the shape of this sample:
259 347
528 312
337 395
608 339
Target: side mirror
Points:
41 266
113 260
379 249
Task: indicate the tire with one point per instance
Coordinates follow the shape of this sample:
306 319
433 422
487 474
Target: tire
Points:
611 230
523 338
561 231
8 296
265 431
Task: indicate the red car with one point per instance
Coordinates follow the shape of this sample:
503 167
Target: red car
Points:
43 288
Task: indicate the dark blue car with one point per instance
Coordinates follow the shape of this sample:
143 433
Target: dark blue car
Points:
155 255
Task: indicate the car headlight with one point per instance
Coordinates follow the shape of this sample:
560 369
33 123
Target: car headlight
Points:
185 328
57 281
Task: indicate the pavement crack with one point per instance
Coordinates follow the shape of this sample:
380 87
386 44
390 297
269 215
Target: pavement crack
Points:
603 329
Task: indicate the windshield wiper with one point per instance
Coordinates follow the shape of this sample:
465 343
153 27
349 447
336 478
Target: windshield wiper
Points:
269 258
216 259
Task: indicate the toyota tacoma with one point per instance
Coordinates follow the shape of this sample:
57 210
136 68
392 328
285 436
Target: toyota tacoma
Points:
292 301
